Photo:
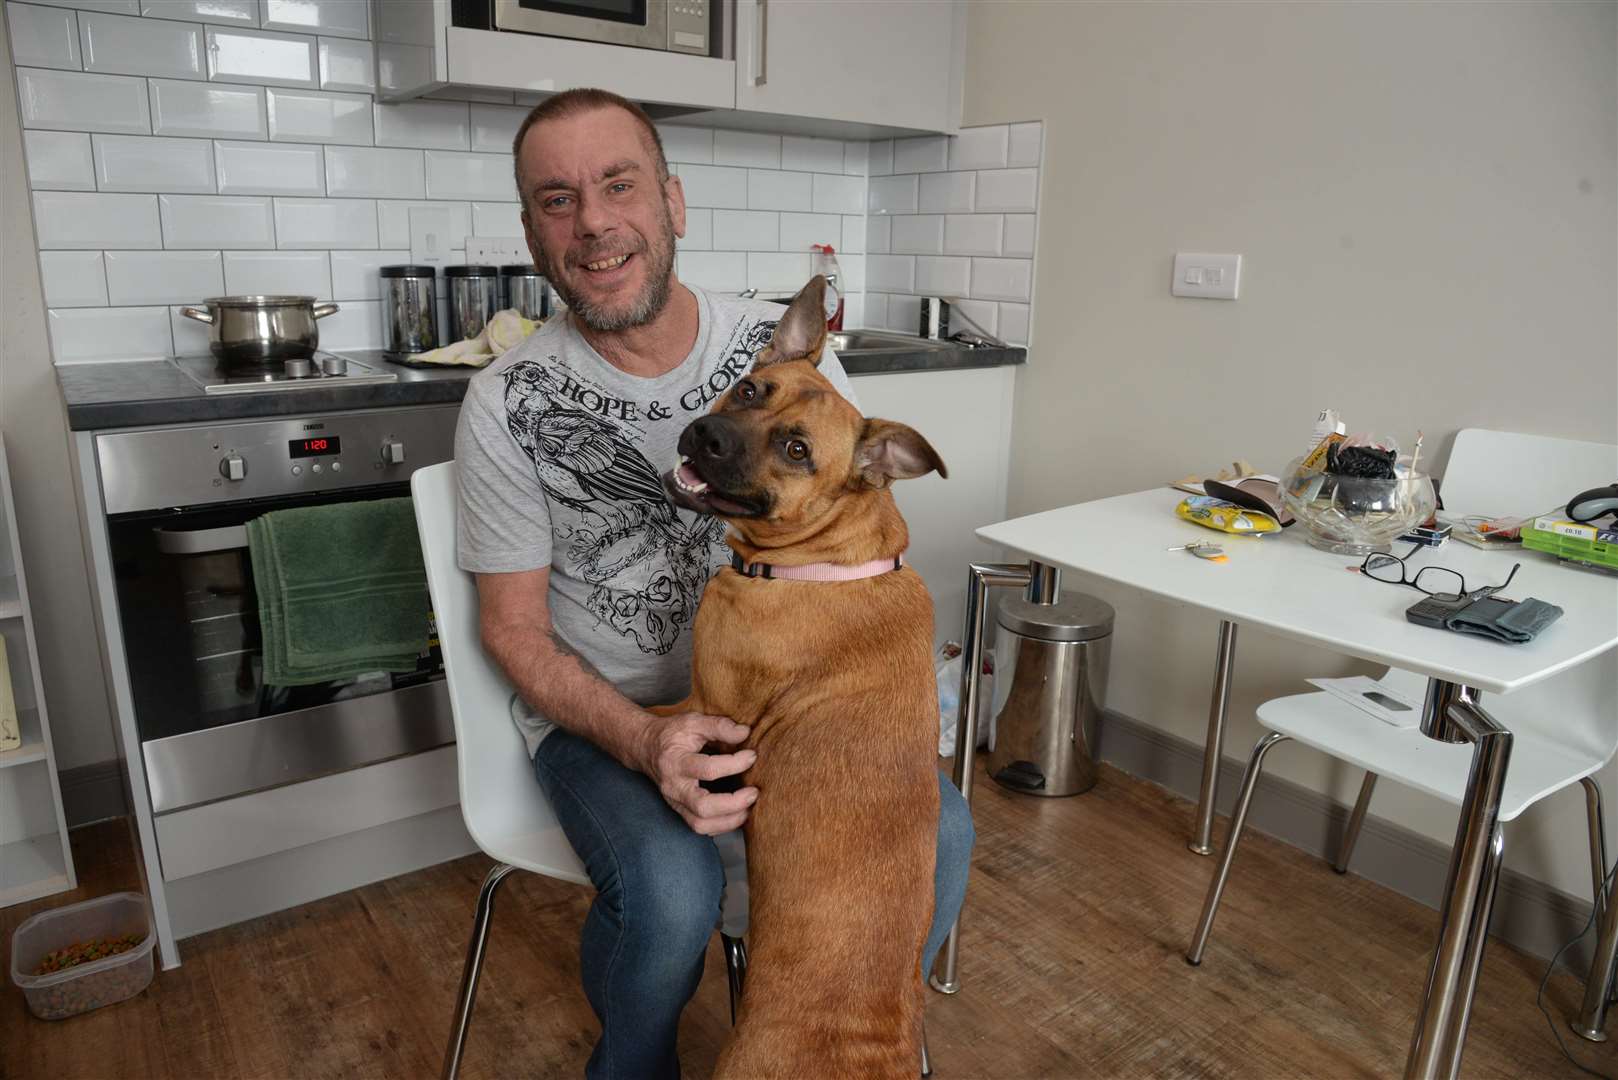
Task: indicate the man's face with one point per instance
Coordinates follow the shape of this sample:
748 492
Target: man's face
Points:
600 223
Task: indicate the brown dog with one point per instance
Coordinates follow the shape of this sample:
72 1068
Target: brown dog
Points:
835 680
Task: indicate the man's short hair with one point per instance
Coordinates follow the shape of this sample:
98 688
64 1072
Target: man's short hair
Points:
581 100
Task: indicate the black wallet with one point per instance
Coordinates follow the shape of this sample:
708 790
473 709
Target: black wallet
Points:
1487 615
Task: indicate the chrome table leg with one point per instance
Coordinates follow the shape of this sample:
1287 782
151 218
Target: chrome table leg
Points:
473 969
1593 1013
1351 834
1213 746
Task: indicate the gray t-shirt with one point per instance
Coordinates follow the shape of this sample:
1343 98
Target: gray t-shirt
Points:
560 457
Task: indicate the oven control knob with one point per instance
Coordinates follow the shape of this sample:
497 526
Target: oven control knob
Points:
393 453
332 364
233 467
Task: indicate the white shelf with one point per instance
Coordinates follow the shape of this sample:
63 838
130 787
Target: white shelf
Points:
32 868
33 742
10 600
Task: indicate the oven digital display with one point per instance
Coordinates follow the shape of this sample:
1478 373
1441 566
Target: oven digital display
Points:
318 446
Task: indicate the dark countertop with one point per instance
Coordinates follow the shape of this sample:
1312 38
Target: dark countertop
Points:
137 393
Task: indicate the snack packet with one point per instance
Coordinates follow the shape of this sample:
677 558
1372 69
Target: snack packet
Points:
1212 513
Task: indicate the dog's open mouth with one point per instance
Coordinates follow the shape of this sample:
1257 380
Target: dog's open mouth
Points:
687 488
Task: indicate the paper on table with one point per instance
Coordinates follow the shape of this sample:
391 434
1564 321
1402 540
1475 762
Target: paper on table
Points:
1366 694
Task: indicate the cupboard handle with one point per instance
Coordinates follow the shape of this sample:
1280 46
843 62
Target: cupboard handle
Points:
761 42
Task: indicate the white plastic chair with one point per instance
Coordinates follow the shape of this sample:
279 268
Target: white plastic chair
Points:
1563 729
504 808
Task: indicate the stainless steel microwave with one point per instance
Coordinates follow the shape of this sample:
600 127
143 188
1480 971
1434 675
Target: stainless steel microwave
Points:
685 26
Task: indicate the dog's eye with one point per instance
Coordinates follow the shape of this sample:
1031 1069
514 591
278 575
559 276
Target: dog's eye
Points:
797 450
746 391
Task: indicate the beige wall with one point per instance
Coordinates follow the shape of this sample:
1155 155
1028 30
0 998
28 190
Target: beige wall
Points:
1426 201
35 426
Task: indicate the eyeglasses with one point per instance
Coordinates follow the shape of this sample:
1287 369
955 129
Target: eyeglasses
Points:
1432 580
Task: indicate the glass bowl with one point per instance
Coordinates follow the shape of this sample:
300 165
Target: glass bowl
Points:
1351 515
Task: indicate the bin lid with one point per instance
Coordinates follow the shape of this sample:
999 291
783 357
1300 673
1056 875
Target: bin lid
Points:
1074 617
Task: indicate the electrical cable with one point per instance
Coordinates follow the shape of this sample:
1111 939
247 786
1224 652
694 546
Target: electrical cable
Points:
1539 998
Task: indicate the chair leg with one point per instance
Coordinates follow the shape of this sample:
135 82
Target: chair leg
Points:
1351 834
1598 985
735 970
1238 818
926 1063
473 969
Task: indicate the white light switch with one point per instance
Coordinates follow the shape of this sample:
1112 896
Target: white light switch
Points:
1211 277
430 240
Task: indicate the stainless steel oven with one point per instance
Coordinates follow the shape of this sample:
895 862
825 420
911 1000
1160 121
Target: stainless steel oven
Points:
686 26
177 501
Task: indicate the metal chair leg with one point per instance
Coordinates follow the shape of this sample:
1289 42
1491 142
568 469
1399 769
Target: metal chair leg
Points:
472 969
1352 834
735 970
926 1063
1598 985
1238 818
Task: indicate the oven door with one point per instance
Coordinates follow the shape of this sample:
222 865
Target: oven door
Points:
210 727
639 23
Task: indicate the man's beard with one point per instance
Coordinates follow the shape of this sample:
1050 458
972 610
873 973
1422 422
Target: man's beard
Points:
643 308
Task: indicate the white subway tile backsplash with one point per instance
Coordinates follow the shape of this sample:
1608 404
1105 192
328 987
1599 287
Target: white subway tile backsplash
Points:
258 56
919 234
698 230
120 45
942 275
346 65
972 234
144 163
313 116
496 219
682 143
340 18
746 230
210 221
354 273
892 195
1002 279
431 125
272 273
469 176
357 324
798 231
767 190
1014 324
224 12
163 277
929 153
70 219
904 314
777 271
812 155
839 194
81 101
890 273
714 186
114 7
880 158
73 279
198 109
1008 189
59 161
110 334
747 148
853 270
947 192
854 310
722 271
876 311
373 171
979 148
494 126
255 168
878 235
1024 144
984 313
853 240
393 221
1019 235
857 158
325 223
46 37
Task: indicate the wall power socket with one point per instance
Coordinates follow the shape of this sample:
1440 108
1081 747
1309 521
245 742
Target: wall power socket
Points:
496 250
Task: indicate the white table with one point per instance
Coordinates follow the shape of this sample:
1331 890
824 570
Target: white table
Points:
1282 584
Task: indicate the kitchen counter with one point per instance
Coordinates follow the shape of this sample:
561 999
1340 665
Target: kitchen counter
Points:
137 393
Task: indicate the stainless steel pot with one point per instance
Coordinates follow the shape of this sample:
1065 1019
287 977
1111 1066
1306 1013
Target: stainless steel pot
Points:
247 330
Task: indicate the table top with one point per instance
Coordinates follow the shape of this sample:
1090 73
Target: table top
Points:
1283 584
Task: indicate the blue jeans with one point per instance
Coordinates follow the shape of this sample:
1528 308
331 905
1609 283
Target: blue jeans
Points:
658 887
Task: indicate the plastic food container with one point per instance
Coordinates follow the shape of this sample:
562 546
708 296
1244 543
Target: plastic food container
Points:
86 986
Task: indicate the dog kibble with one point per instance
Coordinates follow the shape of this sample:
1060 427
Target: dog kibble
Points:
83 952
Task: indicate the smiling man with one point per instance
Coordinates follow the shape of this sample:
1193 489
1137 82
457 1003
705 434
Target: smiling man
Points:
588 579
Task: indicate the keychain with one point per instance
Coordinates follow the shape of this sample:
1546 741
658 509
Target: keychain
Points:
1203 550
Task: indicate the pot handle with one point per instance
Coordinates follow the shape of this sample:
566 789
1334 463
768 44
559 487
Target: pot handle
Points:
198 314
322 310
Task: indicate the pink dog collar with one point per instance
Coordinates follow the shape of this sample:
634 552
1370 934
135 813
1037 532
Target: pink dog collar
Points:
821 571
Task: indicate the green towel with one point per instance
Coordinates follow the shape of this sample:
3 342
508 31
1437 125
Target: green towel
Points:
341 590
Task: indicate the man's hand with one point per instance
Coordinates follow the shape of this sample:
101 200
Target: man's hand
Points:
670 752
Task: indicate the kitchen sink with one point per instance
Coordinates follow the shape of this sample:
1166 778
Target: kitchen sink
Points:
855 342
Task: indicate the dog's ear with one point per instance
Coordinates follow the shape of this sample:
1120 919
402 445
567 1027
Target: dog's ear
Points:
801 334
889 451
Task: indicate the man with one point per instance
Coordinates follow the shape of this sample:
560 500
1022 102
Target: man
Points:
588 579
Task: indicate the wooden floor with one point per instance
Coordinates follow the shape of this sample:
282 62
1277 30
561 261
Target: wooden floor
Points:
1071 966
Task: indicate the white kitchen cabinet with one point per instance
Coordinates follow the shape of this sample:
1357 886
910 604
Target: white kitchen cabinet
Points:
898 63
35 859
966 416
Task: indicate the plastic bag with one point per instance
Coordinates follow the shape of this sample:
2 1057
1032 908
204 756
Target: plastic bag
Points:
948 674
